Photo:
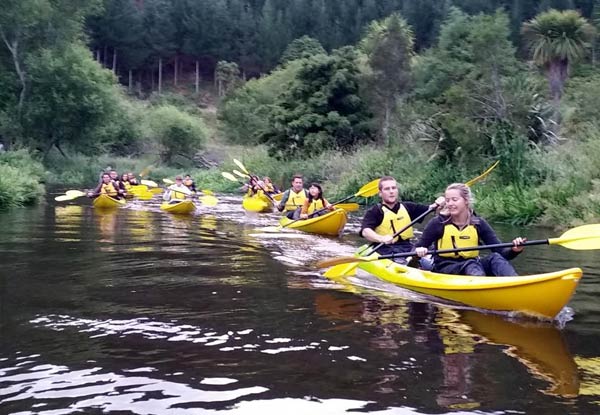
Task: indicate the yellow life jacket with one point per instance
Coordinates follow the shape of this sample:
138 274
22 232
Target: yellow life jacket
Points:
108 189
175 195
269 188
393 222
295 200
316 204
127 186
456 238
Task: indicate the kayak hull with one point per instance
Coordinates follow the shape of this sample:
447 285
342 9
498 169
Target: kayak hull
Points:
107 202
257 203
184 207
540 295
331 224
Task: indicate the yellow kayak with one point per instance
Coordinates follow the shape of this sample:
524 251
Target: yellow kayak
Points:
106 202
541 295
183 207
257 203
331 223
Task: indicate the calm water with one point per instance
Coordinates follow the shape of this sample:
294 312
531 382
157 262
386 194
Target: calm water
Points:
140 312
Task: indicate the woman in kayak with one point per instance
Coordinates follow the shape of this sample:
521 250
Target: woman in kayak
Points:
270 188
106 187
314 202
460 228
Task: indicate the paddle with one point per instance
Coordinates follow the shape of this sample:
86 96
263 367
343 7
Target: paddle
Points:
209 199
340 270
70 195
241 166
368 190
585 237
148 183
348 207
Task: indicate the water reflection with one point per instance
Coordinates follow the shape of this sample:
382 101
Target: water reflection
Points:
457 337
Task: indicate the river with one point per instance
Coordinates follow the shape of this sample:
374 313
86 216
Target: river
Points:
137 311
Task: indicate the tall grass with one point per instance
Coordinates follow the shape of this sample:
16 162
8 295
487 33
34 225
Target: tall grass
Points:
20 179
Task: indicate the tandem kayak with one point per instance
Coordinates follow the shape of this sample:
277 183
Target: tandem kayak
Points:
257 203
107 202
331 223
541 295
182 207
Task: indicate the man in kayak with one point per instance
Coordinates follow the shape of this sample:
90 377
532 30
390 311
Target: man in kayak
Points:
106 187
383 220
293 198
176 192
461 228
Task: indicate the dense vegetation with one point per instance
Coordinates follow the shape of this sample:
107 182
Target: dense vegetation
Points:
343 90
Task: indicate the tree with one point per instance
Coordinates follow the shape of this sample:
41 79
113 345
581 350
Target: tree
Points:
227 76
388 45
321 108
556 39
303 47
67 112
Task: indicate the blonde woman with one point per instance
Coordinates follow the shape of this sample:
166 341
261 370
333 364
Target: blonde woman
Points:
459 227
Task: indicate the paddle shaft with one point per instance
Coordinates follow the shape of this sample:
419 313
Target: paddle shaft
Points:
470 248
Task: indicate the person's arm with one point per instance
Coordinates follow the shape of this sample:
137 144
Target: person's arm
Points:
372 220
487 236
96 191
284 199
416 209
433 231
304 210
328 205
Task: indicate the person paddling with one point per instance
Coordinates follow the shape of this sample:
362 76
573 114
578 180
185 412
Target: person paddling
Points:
382 221
461 228
189 183
293 198
118 184
176 192
132 179
314 202
106 187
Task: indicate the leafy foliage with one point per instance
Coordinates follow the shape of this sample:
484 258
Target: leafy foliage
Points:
321 110
178 133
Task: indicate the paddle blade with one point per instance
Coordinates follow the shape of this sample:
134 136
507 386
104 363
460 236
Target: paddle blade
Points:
369 189
64 198
239 173
168 181
585 237
241 166
342 270
254 204
208 200
145 171
229 176
277 197
348 207
75 193
144 195
149 183
326 263
482 175
207 192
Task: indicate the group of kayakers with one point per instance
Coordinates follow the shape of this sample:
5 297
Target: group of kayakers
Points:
297 202
455 226
119 187
113 185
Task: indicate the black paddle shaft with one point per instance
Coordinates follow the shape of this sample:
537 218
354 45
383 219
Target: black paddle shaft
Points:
470 248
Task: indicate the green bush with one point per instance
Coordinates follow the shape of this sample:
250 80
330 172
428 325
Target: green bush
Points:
20 179
177 132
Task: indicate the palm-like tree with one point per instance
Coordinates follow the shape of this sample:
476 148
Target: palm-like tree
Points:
556 40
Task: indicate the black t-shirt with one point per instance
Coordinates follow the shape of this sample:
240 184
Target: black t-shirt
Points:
374 216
